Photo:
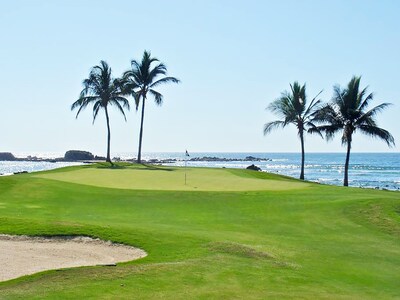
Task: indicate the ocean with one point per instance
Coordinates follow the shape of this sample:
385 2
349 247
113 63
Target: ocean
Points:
367 170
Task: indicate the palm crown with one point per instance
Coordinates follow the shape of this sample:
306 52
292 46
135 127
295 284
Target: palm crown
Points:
292 108
142 80
348 113
101 90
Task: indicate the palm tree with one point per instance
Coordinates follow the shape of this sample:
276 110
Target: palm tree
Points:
292 108
347 113
140 82
101 90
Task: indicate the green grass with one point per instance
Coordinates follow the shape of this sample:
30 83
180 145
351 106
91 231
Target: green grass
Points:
162 178
228 234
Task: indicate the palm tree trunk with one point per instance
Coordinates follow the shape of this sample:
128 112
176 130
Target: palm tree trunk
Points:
108 137
346 165
139 159
302 156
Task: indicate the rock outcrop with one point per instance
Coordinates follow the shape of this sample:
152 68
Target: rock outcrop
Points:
77 155
223 159
7 156
253 167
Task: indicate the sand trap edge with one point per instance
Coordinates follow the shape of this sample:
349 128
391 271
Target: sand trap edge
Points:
27 255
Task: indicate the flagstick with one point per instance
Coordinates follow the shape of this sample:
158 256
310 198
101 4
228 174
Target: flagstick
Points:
186 156
185 169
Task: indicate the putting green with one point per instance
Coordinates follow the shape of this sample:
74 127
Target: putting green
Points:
163 178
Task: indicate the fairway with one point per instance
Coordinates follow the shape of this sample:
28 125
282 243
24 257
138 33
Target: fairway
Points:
141 177
240 235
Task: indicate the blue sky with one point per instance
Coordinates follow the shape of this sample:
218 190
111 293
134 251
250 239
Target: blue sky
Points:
233 57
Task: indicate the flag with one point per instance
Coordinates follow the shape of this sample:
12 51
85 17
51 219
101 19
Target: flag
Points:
187 153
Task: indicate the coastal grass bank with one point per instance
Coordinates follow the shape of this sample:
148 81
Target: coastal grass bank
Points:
225 234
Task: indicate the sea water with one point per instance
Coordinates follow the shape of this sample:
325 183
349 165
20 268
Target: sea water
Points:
11 167
369 170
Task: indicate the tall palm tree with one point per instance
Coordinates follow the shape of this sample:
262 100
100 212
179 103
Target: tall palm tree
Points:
101 90
140 82
347 113
292 108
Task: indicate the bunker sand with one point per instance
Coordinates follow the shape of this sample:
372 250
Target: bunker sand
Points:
23 255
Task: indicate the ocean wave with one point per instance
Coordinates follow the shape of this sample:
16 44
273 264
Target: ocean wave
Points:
279 159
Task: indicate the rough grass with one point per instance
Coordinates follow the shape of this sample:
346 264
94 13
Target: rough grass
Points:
311 242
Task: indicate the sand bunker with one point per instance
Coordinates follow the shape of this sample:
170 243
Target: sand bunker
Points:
23 255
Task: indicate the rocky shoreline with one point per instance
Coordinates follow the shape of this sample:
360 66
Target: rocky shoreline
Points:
206 159
85 156
70 156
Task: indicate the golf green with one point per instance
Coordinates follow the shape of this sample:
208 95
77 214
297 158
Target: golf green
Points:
163 178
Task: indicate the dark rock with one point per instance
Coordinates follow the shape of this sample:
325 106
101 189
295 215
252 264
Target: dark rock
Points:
253 167
74 155
32 158
223 159
100 158
7 156
22 172
251 158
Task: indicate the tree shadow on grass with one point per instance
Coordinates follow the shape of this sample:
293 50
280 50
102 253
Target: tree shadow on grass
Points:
135 166
154 168
111 166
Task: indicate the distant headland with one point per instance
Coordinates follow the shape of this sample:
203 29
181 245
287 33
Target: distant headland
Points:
70 156
86 156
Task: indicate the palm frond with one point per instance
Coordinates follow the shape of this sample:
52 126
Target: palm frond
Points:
158 70
136 97
83 102
119 107
312 107
268 127
283 107
96 108
372 112
157 96
128 87
82 107
338 96
377 132
100 89
352 93
313 129
366 101
163 81
298 97
77 103
327 113
121 100
135 73
329 130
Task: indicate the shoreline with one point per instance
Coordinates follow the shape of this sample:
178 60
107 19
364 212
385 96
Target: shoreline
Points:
367 170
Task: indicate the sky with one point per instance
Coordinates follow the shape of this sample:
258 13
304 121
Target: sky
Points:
233 58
